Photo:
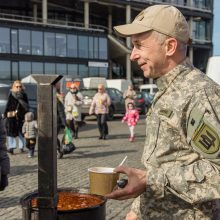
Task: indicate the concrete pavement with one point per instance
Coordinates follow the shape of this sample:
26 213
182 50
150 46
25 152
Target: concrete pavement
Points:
72 169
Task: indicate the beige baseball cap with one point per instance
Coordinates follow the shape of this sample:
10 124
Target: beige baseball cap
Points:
165 19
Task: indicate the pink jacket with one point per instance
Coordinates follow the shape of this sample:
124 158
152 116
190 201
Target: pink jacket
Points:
131 116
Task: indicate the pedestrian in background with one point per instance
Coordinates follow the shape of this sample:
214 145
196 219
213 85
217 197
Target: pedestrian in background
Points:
4 159
182 147
73 103
61 119
29 130
16 107
100 106
131 117
129 95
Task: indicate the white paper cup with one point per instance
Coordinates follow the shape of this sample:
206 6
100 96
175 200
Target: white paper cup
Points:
102 180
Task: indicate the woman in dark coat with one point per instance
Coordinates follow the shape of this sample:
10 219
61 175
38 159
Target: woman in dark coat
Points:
15 110
4 159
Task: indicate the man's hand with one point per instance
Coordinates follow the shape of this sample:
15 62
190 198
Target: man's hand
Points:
136 184
131 216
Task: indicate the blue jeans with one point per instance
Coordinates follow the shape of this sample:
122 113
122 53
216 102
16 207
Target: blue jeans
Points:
12 142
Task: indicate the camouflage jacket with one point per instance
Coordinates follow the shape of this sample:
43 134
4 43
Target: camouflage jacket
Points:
182 148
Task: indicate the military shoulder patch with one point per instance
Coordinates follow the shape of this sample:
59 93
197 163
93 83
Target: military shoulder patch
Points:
206 139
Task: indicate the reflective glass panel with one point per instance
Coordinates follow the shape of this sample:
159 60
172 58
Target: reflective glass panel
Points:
37 42
14 41
60 45
91 49
93 71
24 69
49 68
4 40
96 47
72 45
14 70
103 72
49 44
37 68
24 42
83 71
83 46
5 70
103 51
61 69
72 70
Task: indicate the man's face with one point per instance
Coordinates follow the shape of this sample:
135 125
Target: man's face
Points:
149 54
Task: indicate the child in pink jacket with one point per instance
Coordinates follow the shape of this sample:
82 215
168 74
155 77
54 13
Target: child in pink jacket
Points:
131 116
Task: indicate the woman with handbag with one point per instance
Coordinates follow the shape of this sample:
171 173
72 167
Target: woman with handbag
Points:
15 110
73 103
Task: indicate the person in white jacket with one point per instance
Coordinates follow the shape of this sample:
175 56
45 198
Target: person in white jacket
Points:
73 102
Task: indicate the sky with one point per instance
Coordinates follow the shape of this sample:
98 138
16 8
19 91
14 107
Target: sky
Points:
216 32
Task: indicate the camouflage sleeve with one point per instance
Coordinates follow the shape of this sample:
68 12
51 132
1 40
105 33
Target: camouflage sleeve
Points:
135 206
199 180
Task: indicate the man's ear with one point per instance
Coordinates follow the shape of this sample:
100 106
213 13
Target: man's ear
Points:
171 46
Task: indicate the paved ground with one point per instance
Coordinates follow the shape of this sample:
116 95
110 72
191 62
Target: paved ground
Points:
72 169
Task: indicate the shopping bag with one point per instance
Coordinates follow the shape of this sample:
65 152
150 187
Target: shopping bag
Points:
67 142
75 112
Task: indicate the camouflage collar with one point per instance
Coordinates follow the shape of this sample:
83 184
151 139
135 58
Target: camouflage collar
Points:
164 81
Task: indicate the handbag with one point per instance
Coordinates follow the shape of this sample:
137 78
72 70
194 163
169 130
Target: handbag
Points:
12 114
75 112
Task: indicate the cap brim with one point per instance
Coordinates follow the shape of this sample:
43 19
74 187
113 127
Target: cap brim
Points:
127 30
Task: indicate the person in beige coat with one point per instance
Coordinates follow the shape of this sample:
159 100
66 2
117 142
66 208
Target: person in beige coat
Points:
129 96
73 102
100 106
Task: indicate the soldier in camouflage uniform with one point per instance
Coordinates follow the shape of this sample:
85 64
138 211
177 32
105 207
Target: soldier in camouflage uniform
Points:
180 178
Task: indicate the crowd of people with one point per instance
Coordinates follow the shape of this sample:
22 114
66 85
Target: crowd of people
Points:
21 124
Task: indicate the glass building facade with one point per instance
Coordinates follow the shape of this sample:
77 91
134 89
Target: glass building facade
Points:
28 51
76 34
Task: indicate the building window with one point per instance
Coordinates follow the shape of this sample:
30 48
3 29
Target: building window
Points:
96 47
49 68
4 40
5 70
72 43
83 71
37 42
103 51
14 41
91 47
103 72
93 71
24 69
14 70
200 30
37 68
24 42
61 45
61 69
49 44
83 46
72 70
